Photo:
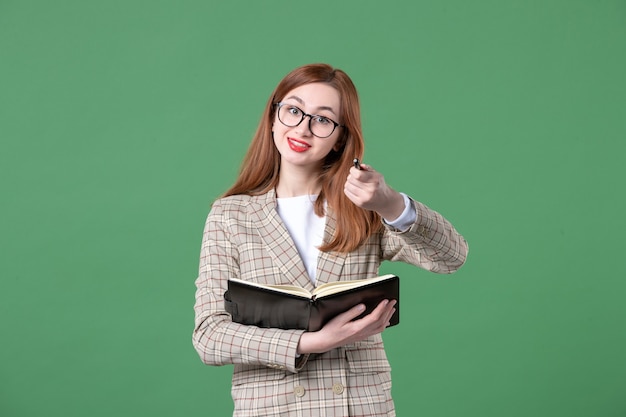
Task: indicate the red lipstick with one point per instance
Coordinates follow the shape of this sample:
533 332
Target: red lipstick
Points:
297 145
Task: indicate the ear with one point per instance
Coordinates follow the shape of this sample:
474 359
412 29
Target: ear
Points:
340 144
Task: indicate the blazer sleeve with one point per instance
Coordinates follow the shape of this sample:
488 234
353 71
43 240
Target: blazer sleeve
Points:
216 338
431 242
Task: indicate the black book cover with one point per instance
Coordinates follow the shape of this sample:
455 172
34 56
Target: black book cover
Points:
263 306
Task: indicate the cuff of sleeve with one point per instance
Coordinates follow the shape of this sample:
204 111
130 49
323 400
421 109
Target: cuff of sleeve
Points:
301 361
295 362
406 219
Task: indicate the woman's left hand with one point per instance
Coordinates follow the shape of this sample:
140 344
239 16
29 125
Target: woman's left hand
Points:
367 189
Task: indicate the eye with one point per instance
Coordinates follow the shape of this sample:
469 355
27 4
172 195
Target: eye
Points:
294 111
323 120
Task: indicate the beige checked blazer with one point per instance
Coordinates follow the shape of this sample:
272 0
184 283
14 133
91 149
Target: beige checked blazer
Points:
245 238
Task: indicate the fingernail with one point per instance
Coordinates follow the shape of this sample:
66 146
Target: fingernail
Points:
361 307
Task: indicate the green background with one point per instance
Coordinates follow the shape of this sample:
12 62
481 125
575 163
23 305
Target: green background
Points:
121 121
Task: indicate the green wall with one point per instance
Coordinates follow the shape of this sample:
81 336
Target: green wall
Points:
120 122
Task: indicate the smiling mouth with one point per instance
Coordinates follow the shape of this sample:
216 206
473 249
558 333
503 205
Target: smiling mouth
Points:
297 145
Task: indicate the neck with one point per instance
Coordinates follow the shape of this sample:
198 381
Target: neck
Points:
296 181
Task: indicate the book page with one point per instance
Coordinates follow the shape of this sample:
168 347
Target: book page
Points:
287 289
330 288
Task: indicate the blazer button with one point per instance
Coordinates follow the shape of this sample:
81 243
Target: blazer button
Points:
299 391
338 388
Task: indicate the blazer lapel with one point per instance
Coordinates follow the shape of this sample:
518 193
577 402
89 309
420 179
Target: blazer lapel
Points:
277 240
329 264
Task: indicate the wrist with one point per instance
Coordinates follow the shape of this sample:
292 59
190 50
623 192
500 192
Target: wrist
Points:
310 343
394 207
304 344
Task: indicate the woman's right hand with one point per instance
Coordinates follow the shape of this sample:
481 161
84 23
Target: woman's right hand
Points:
343 329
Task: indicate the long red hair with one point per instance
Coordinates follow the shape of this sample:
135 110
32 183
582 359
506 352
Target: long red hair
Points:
354 224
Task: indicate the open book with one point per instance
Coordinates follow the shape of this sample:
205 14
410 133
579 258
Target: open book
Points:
291 307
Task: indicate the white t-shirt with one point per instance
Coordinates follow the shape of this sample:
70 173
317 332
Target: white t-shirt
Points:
307 229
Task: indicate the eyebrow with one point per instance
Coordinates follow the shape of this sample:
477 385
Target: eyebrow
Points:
299 100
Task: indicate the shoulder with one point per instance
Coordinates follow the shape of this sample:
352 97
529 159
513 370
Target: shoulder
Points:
236 205
233 201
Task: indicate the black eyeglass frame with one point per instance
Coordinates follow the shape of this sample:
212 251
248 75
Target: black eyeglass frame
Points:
310 116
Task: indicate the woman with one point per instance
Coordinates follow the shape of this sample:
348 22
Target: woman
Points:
301 214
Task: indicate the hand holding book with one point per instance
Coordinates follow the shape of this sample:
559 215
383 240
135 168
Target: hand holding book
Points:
345 329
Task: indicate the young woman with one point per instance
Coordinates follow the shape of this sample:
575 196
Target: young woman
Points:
300 213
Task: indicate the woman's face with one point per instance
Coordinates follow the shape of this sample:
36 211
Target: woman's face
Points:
297 145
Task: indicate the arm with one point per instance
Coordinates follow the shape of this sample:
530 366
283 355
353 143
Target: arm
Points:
216 338
431 242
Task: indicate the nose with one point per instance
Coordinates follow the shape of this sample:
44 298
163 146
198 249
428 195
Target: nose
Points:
304 127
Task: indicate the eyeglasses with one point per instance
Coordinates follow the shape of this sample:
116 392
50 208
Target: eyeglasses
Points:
291 116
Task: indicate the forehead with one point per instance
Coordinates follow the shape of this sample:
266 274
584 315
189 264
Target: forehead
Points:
315 96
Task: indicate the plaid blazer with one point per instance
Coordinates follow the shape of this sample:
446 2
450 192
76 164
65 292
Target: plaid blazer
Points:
245 238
